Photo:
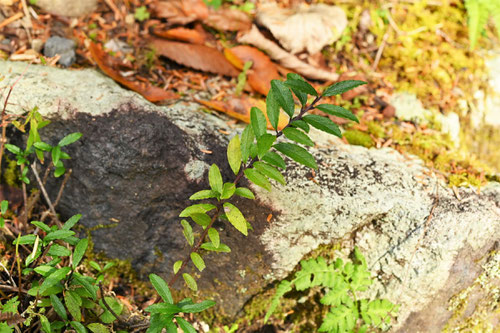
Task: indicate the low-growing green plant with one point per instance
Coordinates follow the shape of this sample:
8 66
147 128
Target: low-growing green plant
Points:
342 283
478 12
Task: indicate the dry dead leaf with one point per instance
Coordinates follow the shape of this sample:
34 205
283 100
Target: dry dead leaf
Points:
228 19
255 37
181 34
200 57
262 71
305 28
148 91
180 11
239 108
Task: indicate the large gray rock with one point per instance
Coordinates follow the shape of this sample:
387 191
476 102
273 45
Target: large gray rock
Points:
138 163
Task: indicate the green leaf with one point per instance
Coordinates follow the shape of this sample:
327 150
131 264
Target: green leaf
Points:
107 317
213 235
161 288
235 217
86 285
274 159
296 153
58 307
341 87
70 223
58 251
45 324
337 111
228 190
203 194
141 13
340 319
69 139
54 279
79 328
258 120
197 261
247 139
184 325
58 234
270 172
177 266
283 96
98 328
198 208
197 307
28 239
297 83
284 287
2 222
11 305
298 136
95 266
244 192
80 249
215 178
258 179
42 226
191 283
13 149
323 124
4 206
73 303
376 311
56 154
264 143
159 321
234 154
209 246
272 109
42 146
188 232
201 219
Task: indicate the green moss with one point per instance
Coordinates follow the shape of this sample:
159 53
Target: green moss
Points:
11 173
376 129
358 138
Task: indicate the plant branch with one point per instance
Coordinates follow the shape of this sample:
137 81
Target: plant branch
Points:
240 174
106 305
45 195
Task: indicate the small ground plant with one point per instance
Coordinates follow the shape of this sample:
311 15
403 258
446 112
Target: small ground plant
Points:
342 283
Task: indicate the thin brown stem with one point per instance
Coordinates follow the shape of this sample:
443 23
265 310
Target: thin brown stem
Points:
45 195
61 189
106 305
25 199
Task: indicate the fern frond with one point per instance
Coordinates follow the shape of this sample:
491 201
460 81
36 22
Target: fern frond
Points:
340 319
494 9
284 287
315 272
477 12
374 312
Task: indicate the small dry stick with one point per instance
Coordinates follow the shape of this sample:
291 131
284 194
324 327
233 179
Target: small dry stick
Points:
380 51
121 321
45 195
61 189
25 199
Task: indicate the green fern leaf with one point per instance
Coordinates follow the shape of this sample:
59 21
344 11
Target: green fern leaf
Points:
340 319
314 272
337 294
283 288
477 12
374 312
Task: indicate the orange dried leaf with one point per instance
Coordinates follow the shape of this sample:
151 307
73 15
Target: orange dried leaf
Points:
148 91
195 56
180 11
239 108
228 19
263 69
181 34
233 59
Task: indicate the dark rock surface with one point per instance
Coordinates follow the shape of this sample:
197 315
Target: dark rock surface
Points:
137 164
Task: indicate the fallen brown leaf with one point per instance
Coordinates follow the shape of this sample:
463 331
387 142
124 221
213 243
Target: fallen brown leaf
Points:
262 71
181 34
255 37
228 19
148 91
239 108
195 56
180 11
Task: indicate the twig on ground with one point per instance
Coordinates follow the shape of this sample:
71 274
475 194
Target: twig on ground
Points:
61 189
8 274
45 195
380 51
121 321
